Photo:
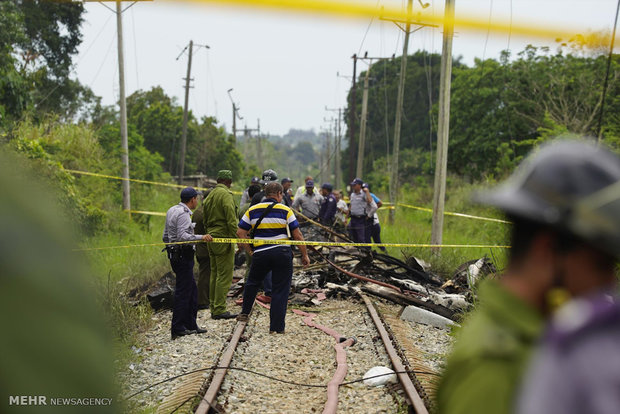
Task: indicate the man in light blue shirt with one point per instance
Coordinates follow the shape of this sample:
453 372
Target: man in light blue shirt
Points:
179 228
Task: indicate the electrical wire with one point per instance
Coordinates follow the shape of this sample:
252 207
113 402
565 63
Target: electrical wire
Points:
105 57
297 384
367 30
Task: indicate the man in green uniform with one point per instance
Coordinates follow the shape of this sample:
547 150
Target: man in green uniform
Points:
202 255
220 219
551 258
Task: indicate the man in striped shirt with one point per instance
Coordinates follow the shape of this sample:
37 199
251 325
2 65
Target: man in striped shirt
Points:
279 223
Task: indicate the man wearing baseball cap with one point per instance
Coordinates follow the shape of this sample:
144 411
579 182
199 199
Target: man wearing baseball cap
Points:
220 216
286 188
361 204
179 228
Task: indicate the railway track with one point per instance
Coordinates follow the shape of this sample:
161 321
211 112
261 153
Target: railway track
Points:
261 372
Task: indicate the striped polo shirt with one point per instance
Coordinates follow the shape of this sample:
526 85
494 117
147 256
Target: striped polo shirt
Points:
274 224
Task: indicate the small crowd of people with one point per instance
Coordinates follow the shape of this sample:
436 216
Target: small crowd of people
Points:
267 201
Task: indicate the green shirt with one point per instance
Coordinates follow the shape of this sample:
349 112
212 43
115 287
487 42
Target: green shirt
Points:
491 352
220 213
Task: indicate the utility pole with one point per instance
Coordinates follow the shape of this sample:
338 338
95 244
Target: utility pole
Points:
181 169
235 116
393 185
259 150
338 173
188 79
362 139
122 101
123 105
337 148
352 105
443 129
399 108
247 133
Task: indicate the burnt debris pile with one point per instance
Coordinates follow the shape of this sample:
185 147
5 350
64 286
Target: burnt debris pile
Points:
342 272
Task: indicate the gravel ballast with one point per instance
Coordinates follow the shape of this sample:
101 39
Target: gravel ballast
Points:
301 355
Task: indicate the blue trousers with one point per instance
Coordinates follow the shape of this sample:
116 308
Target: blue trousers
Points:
368 230
278 261
357 229
376 235
185 306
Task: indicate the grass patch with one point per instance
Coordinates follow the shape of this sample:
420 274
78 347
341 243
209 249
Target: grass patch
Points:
414 226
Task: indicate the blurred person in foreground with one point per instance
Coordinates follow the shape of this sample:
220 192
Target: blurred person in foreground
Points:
563 244
55 343
577 367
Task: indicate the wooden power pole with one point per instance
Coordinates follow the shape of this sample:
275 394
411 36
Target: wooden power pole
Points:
443 129
181 170
337 148
259 148
338 174
362 139
399 109
352 105
123 106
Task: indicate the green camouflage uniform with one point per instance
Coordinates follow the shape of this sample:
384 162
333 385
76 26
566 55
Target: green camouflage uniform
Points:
202 255
220 218
492 350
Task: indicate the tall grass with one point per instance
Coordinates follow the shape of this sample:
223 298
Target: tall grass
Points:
118 270
414 226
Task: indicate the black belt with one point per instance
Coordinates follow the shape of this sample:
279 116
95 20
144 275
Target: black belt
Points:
357 217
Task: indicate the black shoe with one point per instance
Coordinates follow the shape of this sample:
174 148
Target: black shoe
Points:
185 332
203 307
225 315
200 331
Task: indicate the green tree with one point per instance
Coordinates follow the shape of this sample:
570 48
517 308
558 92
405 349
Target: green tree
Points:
159 119
38 40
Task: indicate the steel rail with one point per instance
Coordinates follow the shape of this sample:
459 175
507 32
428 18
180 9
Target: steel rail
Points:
211 394
407 384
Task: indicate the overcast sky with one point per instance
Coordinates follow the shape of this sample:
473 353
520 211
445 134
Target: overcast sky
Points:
283 66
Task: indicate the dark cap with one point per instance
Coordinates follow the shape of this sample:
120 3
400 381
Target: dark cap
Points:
268 176
327 186
188 192
309 184
357 181
365 185
255 180
286 180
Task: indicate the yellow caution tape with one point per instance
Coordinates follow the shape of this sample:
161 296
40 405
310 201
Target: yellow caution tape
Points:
367 10
447 213
150 213
258 242
133 180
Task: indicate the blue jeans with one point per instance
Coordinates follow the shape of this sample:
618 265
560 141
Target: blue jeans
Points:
278 261
185 306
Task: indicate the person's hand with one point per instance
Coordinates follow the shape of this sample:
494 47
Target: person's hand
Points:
207 238
366 190
305 260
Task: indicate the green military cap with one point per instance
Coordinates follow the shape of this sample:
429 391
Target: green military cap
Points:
224 175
